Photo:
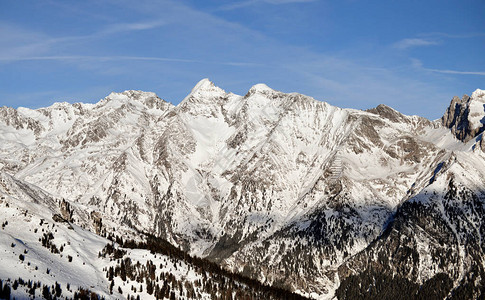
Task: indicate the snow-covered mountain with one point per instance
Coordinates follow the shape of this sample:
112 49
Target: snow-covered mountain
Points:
279 187
45 255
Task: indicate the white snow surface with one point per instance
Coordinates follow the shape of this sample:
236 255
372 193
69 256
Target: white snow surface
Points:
476 106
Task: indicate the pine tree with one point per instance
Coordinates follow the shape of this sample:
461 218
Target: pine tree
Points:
15 285
58 289
149 287
46 292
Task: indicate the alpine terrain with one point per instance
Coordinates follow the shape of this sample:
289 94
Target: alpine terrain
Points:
264 196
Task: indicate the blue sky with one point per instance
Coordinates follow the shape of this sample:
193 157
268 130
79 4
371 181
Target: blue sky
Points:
411 55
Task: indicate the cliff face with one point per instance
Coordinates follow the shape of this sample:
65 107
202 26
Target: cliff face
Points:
466 116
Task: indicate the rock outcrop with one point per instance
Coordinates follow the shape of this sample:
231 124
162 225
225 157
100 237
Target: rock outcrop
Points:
466 116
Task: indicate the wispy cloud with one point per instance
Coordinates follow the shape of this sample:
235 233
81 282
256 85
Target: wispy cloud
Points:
453 36
433 39
287 1
40 43
127 27
457 72
74 58
93 58
415 42
247 3
416 63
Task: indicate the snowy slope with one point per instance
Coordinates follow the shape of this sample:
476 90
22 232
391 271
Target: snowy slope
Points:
27 215
42 251
435 239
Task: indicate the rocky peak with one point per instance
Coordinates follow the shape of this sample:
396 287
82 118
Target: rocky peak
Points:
204 99
147 99
465 117
11 117
478 95
203 89
204 92
203 85
261 89
388 113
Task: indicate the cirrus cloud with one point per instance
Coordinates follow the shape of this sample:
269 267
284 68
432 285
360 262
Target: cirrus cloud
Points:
414 42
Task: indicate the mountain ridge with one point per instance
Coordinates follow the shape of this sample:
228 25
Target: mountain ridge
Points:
245 181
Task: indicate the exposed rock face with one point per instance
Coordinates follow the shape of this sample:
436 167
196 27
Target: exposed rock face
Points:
97 222
281 187
466 116
12 118
388 113
66 210
481 143
58 218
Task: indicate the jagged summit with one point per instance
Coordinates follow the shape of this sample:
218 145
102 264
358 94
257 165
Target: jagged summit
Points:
204 91
478 95
203 84
466 116
134 95
260 87
388 113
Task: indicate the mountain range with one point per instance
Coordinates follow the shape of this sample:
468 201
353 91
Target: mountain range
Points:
276 192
